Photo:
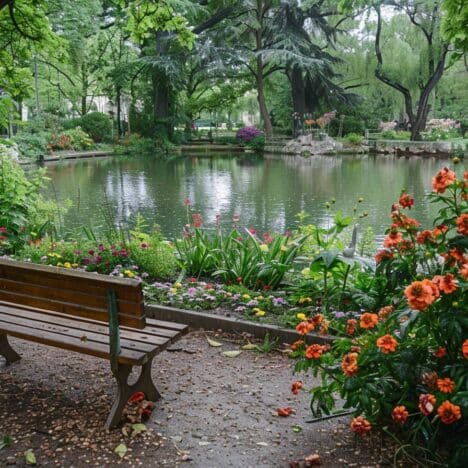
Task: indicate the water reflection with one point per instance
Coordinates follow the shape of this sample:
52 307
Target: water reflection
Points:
266 192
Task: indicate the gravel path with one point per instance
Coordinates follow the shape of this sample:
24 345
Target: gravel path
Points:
216 411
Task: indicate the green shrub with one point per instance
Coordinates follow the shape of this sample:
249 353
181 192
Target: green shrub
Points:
441 134
156 258
68 124
256 144
32 145
396 135
136 144
354 138
97 125
79 139
226 140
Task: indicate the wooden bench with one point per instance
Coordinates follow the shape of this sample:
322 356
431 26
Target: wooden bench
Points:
88 313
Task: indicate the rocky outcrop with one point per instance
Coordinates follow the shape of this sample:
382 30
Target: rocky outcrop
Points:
309 145
9 149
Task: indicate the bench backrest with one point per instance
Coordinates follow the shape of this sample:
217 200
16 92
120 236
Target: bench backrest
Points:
71 292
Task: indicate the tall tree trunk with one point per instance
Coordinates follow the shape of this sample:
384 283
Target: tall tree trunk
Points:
298 91
84 89
264 114
119 111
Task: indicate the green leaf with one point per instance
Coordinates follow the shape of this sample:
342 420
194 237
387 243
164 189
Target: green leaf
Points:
121 450
5 442
249 346
29 457
137 428
296 428
213 343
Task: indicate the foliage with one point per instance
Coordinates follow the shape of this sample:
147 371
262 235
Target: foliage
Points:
32 145
437 134
354 138
246 134
97 125
154 256
403 367
256 144
396 135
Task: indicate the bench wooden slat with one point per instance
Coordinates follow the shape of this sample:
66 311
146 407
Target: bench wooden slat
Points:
60 341
169 325
148 335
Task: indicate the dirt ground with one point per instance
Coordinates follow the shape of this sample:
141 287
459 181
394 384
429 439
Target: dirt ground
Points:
216 411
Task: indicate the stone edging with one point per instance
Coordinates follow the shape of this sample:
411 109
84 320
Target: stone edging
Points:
215 322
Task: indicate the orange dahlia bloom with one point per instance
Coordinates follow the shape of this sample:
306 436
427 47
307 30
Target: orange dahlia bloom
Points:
360 425
296 386
316 319
387 344
382 255
426 403
384 312
446 385
440 353
443 179
297 344
368 320
465 349
448 412
405 222
439 230
424 237
406 201
421 294
392 238
447 284
315 351
400 414
462 224
464 271
351 326
305 327
349 364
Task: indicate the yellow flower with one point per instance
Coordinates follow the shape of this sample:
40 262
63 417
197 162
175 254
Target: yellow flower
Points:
177 285
129 273
173 290
245 296
303 300
228 294
74 265
260 313
67 265
283 248
305 272
301 316
260 298
264 247
59 264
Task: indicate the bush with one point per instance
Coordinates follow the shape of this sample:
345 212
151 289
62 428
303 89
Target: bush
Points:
402 367
136 144
97 125
354 138
441 134
79 139
396 135
246 134
68 124
32 145
155 258
256 144
225 140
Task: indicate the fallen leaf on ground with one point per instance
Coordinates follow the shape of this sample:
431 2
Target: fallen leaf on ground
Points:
121 450
313 460
29 457
231 353
213 343
249 346
137 428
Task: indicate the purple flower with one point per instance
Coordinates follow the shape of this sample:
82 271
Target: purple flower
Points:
252 303
240 309
339 315
192 291
248 133
278 301
236 297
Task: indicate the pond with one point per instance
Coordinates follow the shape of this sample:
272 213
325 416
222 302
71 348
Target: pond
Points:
267 192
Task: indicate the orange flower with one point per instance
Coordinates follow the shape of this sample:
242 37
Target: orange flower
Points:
382 255
400 414
448 283
462 224
448 412
421 294
403 221
368 320
439 230
392 239
454 256
446 385
440 353
406 201
349 364
316 319
384 312
465 349
430 380
360 425
284 412
296 386
464 271
425 237
426 403
387 344
304 327
315 351
324 324
351 326
297 344
443 179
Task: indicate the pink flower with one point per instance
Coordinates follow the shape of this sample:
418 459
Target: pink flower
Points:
187 202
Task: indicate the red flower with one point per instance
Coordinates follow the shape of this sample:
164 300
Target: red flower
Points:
462 224
349 364
400 414
304 327
137 396
382 255
284 412
421 294
393 238
406 201
197 220
440 353
443 179
426 403
447 284
465 349
351 326
297 344
296 386
315 351
425 237
448 412
387 344
368 320
360 425
446 385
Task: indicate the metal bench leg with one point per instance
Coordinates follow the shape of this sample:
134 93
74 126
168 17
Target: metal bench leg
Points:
7 351
124 391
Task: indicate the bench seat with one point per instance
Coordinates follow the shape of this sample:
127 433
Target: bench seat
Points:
86 335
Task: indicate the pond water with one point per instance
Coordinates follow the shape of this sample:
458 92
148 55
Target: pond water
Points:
267 192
